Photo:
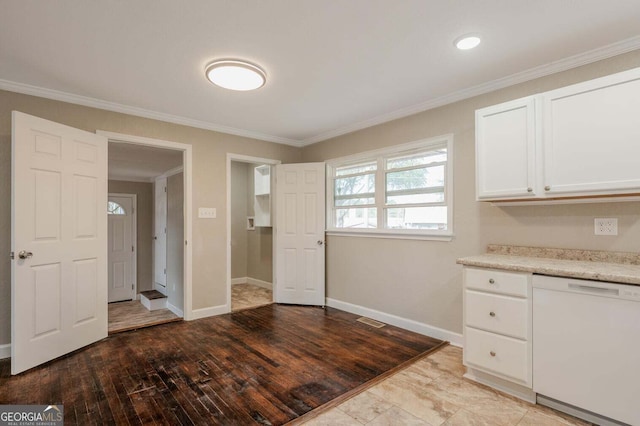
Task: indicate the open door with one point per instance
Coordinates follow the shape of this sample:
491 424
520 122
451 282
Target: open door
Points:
300 223
59 240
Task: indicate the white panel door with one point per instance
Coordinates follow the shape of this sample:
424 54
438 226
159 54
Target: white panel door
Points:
59 238
121 249
300 220
160 238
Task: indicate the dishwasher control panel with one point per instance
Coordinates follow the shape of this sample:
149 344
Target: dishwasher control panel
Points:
594 288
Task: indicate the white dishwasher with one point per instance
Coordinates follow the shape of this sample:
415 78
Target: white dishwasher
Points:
586 347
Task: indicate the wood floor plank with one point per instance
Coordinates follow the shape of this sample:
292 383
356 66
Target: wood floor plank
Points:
269 365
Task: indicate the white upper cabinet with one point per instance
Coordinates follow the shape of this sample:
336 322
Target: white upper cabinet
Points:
592 137
506 150
578 141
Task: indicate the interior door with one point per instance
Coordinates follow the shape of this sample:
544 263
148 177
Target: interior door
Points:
160 238
300 224
59 238
121 248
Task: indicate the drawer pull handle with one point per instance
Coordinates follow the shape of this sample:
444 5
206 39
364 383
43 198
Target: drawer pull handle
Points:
492 314
492 353
492 281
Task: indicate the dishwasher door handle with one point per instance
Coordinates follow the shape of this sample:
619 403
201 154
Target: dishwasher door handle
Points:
594 289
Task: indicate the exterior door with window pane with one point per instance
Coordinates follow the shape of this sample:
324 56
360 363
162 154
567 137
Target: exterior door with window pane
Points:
121 248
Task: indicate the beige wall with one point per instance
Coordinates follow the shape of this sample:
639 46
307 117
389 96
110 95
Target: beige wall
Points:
144 227
420 280
209 182
175 240
239 213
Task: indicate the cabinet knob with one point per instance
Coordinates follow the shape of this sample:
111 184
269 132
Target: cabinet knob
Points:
492 353
492 281
529 189
492 314
547 188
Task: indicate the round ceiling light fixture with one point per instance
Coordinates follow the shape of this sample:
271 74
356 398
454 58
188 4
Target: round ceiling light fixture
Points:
468 41
234 74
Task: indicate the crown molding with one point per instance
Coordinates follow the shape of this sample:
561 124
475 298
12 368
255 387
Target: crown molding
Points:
575 61
57 95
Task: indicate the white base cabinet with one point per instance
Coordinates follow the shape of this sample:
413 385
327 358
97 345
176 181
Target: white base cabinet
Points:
579 141
497 330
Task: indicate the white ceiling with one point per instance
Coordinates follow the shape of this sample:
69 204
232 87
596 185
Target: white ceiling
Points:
333 66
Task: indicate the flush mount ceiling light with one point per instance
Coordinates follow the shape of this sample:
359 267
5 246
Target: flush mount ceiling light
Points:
468 41
235 75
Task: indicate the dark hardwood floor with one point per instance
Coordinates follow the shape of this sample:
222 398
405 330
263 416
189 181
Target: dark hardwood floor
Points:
268 365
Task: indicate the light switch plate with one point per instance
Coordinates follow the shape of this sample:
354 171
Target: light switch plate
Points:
207 212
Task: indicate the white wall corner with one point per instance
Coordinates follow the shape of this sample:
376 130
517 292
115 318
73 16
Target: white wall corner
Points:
455 339
175 309
5 351
209 312
241 280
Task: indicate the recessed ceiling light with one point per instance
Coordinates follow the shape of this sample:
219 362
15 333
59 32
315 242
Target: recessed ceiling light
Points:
467 42
235 75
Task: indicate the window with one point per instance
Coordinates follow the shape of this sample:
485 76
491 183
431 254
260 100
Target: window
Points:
403 190
115 208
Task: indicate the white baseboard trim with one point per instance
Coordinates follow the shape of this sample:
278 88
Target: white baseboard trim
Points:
162 289
209 312
175 310
241 280
5 351
260 283
408 324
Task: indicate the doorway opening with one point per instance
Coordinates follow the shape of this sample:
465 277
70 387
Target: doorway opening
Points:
250 231
149 181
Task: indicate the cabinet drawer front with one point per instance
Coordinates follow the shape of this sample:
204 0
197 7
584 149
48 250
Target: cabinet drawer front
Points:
497 313
509 283
498 354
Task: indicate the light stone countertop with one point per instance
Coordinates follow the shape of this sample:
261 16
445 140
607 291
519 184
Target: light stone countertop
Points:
615 267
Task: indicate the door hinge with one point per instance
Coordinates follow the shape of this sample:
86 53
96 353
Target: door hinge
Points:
132 249
165 230
12 255
131 286
165 189
165 271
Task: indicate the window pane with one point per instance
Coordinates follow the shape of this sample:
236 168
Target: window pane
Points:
435 156
354 169
417 218
363 217
355 201
362 184
416 178
435 197
115 208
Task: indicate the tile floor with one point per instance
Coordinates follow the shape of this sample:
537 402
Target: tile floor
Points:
245 296
433 392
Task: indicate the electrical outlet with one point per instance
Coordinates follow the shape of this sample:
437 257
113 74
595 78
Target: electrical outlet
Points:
606 226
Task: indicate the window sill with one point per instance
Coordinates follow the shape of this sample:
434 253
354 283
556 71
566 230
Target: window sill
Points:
388 235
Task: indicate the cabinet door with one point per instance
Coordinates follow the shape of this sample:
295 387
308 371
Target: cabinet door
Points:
592 137
506 150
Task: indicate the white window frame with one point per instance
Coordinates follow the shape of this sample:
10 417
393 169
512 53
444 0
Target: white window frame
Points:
379 155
